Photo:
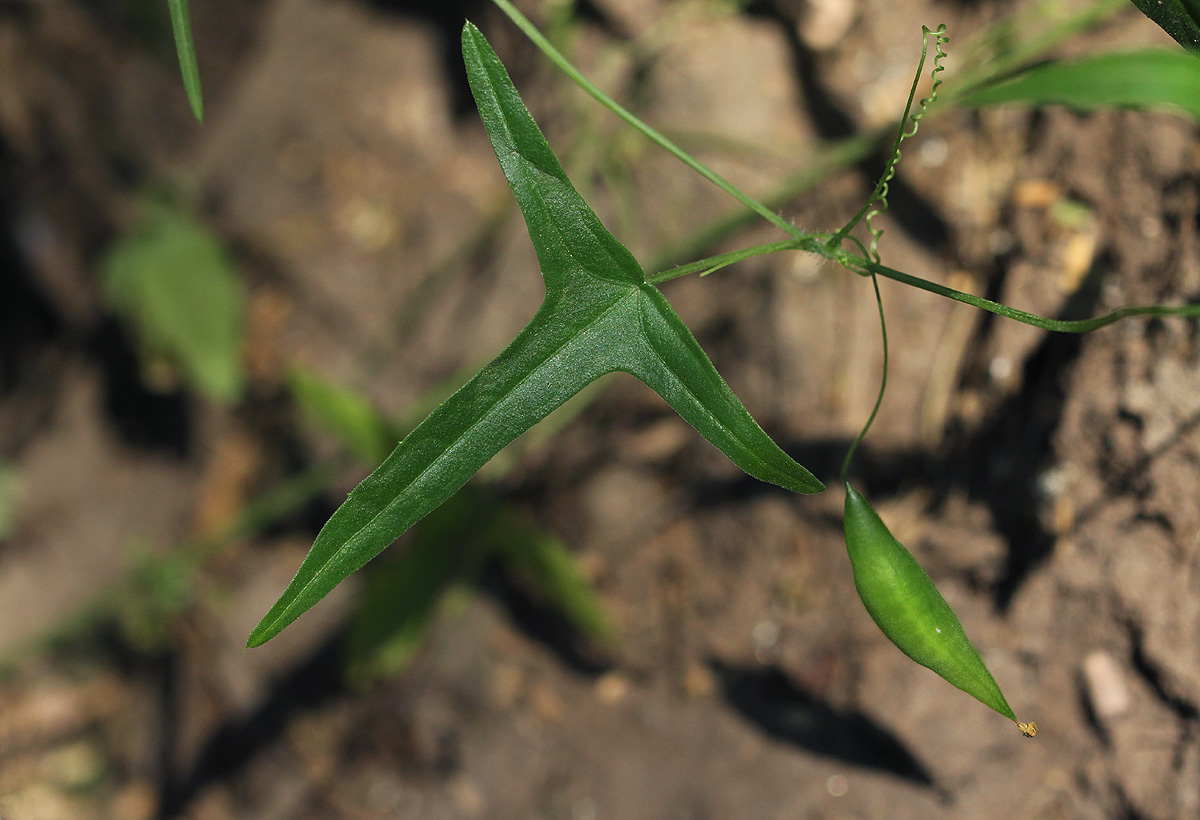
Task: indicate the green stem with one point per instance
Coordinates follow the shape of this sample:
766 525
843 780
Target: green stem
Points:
828 158
867 268
654 136
714 263
882 387
815 243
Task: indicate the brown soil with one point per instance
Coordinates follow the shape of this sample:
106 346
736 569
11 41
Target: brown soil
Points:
1047 482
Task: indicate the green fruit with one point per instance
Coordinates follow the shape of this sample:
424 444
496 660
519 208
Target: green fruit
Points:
908 608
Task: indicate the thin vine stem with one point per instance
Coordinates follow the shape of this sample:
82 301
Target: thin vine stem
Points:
1044 19
816 243
845 474
711 264
828 158
556 57
868 268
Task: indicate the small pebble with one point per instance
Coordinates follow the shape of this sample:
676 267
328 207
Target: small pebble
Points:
1106 690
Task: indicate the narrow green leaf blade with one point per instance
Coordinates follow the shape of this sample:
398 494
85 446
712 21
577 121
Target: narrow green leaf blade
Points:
1155 78
181 23
11 491
345 413
1179 18
570 240
545 563
573 247
569 342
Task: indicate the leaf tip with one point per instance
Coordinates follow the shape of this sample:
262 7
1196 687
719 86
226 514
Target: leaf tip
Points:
812 485
195 97
270 626
470 32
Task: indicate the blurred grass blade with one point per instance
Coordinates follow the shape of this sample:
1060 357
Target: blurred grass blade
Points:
1179 18
401 598
11 491
157 589
171 278
599 315
347 414
1137 79
181 23
548 568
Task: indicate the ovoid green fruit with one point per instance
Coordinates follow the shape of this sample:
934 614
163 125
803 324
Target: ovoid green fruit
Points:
911 612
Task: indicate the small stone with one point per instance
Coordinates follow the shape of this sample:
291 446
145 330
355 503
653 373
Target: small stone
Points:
698 681
1105 683
1036 193
506 685
468 799
612 688
548 704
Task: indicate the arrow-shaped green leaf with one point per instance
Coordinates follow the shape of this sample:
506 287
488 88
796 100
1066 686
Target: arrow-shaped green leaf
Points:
599 315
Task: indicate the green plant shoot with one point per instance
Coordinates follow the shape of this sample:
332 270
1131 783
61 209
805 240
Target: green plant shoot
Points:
602 314
896 591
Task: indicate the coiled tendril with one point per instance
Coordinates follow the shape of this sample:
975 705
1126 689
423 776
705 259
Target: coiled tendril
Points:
908 128
909 124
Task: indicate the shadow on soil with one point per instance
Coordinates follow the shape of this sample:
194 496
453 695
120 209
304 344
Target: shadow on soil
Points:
766 698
